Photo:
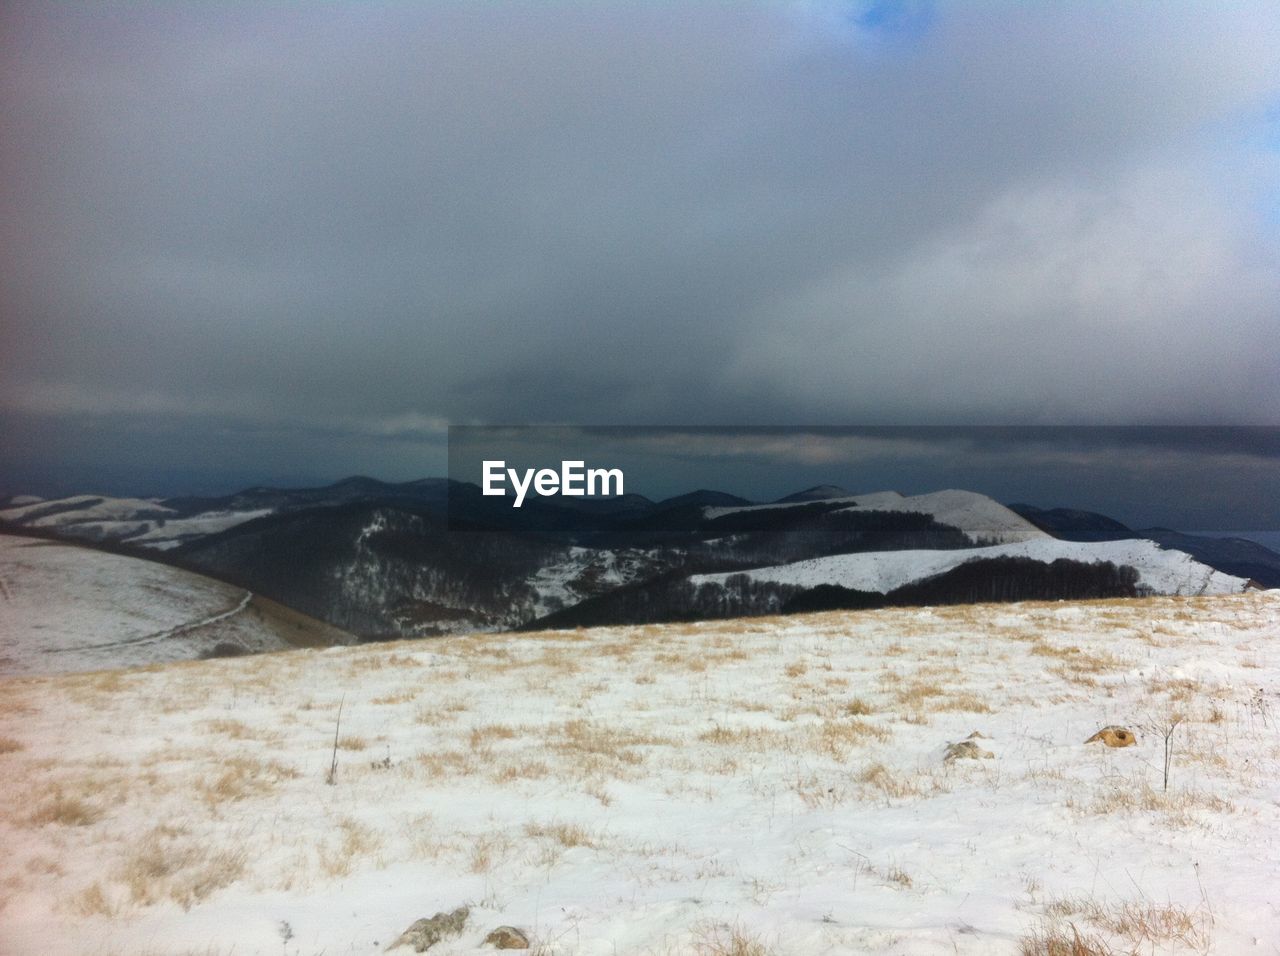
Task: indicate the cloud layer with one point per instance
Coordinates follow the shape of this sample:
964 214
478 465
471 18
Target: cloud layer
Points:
380 217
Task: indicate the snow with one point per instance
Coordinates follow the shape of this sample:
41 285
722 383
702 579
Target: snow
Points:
585 572
654 789
144 521
105 509
176 530
1163 571
68 608
19 514
977 515
980 517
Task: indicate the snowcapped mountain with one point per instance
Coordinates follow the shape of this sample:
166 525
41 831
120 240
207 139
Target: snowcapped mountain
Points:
979 517
1159 571
816 493
164 523
433 557
64 607
149 522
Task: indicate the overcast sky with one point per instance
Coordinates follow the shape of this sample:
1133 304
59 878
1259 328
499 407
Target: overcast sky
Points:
294 241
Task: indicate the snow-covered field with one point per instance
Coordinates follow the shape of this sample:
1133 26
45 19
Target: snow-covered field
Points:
1163 571
64 607
764 786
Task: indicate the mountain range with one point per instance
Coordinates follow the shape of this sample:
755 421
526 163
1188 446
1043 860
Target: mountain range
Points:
433 556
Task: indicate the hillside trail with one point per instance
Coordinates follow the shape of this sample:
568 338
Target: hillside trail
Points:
165 634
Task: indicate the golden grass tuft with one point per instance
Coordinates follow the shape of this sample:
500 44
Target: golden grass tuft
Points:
1124 926
723 939
482 735
878 777
240 777
65 810
568 835
355 841
166 864
1178 807
94 901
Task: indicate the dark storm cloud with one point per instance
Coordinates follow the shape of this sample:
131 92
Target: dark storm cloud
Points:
1181 477
329 221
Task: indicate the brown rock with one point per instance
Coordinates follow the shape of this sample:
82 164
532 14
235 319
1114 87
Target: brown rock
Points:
1114 736
425 933
966 750
507 937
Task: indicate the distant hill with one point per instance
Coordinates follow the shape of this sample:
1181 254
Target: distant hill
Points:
1071 524
66 607
816 493
434 556
704 498
1236 556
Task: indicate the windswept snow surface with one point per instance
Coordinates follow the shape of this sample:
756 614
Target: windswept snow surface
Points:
654 790
981 518
1164 572
69 608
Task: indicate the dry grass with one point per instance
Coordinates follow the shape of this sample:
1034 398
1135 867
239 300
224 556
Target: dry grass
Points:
524 769
568 835
1125 926
485 852
722 939
64 809
355 843
167 864
94 901
239 730
898 876
890 783
240 777
1178 807
438 764
480 736
1063 940
836 738
394 697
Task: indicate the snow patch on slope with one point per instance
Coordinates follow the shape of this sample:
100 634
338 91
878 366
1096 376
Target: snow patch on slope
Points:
983 519
69 608
976 515
1164 572
144 521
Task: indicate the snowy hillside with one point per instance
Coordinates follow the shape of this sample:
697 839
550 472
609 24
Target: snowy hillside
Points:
772 787
68 608
981 518
145 521
1164 572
